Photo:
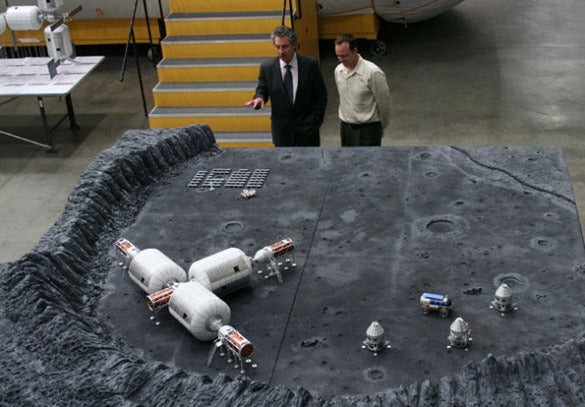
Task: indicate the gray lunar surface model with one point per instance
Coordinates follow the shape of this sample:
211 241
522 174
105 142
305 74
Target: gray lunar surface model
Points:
373 229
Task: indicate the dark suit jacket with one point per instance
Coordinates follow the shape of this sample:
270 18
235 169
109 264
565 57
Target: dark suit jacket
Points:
296 125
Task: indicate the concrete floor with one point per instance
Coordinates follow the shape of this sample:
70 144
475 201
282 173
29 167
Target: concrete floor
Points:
488 72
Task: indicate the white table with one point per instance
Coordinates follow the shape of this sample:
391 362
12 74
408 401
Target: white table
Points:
30 77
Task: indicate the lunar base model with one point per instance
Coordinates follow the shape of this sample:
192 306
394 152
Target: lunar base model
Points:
373 230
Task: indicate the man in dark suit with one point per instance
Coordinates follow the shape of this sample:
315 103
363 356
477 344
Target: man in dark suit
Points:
297 113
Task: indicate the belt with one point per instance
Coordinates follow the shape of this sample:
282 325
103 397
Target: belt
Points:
360 125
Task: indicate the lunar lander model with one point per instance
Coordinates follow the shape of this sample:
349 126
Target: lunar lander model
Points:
459 334
375 340
503 299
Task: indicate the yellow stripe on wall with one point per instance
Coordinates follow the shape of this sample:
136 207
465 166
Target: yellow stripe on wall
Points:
92 32
360 25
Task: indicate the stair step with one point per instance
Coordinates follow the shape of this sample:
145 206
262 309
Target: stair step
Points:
238 139
235 15
203 93
190 6
209 69
219 119
210 62
216 46
207 111
212 54
205 86
248 22
217 38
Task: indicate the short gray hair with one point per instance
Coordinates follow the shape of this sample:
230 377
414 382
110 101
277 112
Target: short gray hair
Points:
284 31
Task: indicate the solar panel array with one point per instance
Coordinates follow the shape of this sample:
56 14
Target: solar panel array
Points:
228 178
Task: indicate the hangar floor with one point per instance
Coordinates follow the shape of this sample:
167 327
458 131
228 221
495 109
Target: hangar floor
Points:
484 73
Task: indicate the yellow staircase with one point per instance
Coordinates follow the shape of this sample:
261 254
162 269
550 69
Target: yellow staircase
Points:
211 57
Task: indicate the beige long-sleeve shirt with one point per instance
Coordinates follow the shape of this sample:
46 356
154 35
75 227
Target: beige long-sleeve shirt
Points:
364 95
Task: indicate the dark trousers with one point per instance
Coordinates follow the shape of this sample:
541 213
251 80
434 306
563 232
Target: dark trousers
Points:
365 134
298 138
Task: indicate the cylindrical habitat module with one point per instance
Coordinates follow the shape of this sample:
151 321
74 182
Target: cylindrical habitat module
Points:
160 299
58 42
50 6
390 10
199 310
236 341
222 272
23 18
282 247
152 271
275 250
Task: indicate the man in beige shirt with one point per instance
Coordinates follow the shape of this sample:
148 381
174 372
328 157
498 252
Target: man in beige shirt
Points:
364 97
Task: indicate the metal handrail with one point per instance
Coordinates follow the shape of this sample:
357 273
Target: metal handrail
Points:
132 39
294 14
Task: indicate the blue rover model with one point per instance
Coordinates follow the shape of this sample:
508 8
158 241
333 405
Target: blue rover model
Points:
435 302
